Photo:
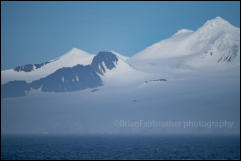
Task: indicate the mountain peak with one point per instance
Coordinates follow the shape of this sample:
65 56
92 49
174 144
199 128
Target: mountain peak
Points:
103 60
76 51
218 24
218 18
215 28
77 56
217 21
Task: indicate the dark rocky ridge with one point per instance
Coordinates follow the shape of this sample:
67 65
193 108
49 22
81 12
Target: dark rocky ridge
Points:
29 67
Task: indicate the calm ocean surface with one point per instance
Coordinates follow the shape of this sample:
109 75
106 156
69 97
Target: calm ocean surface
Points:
119 147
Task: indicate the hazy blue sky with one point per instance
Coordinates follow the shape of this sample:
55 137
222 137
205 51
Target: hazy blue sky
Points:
34 32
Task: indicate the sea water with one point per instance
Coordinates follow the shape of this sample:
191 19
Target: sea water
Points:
119 147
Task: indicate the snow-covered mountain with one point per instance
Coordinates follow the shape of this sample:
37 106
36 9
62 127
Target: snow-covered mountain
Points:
76 70
215 43
33 72
81 93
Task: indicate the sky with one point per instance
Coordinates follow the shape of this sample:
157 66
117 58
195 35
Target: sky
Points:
35 32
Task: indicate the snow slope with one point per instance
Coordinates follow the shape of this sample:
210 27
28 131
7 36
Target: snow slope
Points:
73 57
122 74
216 42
